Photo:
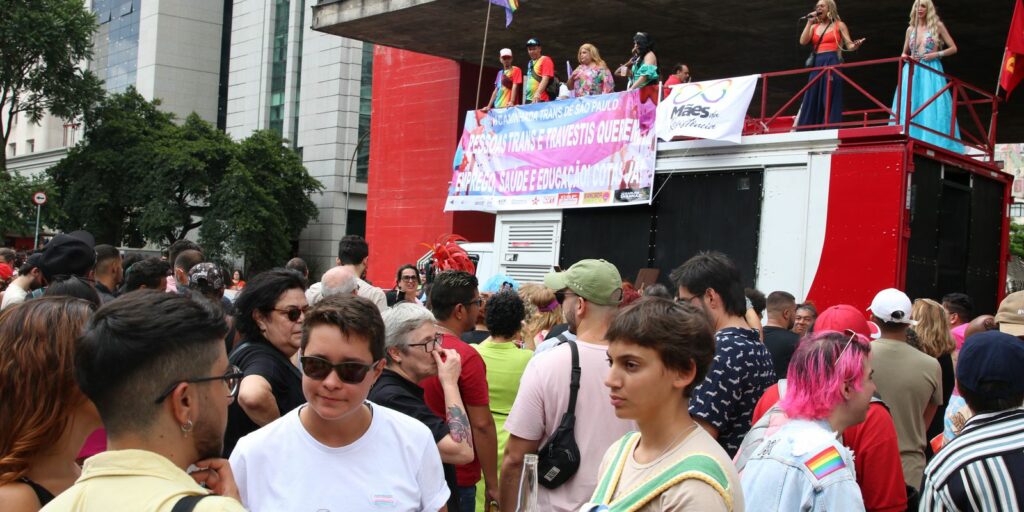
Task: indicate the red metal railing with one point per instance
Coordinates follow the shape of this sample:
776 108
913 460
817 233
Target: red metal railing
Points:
966 99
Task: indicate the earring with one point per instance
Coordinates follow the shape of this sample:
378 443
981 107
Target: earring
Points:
187 427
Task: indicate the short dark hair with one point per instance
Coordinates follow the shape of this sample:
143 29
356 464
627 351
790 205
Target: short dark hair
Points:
756 298
886 326
985 400
352 250
137 346
658 290
261 294
27 266
149 272
178 247
188 259
74 286
505 313
714 270
351 314
961 304
298 265
451 288
106 253
678 332
7 255
679 67
779 301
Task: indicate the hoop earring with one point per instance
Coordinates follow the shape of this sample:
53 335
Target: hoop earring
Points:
186 428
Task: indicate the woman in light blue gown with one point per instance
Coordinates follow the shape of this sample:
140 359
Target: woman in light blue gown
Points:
927 41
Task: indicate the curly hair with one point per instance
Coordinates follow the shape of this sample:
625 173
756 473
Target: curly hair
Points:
932 328
505 313
537 297
37 383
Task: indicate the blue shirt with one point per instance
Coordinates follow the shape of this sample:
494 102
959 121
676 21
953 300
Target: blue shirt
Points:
802 467
740 373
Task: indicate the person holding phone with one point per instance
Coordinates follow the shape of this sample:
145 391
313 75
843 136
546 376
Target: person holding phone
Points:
340 451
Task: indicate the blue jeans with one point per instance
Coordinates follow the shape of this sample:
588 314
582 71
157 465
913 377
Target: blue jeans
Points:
467 498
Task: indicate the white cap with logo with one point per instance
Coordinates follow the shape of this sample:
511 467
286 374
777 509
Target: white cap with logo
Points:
505 52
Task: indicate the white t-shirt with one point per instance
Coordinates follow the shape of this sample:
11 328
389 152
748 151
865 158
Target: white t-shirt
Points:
13 295
542 400
395 466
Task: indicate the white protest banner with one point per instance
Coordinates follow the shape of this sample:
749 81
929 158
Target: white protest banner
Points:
713 109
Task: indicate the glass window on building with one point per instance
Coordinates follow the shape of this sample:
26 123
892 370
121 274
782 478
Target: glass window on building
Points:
12 150
1016 210
279 65
30 146
365 109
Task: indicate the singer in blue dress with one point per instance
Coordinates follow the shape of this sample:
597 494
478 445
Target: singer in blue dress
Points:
927 41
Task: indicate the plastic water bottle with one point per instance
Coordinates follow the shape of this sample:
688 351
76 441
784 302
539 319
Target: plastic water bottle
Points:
528 485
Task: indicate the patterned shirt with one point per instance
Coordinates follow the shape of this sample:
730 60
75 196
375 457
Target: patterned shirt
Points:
982 469
740 373
503 84
536 71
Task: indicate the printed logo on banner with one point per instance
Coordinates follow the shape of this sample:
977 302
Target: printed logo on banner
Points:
548 200
596 197
632 195
714 109
572 199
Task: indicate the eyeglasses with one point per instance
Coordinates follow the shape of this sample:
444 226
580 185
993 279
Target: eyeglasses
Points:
561 295
689 300
410 278
350 372
232 378
475 302
853 335
429 346
294 314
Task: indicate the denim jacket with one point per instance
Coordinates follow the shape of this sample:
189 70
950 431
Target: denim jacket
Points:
802 467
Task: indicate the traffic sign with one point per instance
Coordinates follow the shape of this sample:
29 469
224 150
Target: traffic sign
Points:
39 198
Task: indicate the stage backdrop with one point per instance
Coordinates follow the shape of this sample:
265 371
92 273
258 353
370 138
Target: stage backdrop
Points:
714 109
582 152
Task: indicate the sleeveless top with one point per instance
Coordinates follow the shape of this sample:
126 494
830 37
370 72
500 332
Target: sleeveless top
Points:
830 43
42 494
930 44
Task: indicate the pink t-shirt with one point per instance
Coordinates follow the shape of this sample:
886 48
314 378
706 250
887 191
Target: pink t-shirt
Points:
542 400
958 333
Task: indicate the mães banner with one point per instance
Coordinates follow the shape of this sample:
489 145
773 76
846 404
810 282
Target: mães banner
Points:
582 152
714 109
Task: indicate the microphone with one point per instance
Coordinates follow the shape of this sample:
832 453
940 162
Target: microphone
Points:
809 16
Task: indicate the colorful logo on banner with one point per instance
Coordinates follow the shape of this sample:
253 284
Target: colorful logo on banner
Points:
714 109
582 152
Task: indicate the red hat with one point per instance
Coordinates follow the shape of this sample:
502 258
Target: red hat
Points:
840 318
6 271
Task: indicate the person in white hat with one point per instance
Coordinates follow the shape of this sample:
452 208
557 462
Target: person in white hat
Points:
907 379
506 84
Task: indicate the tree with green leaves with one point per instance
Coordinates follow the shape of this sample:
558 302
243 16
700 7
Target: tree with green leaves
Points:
1017 239
17 213
137 176
42 46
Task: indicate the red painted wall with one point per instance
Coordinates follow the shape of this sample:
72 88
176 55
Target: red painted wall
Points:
867 227
419 103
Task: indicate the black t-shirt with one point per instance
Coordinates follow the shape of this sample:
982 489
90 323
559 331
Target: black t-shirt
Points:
395 392
261 358
475 337
781 343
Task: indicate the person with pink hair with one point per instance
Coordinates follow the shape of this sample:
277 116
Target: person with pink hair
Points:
804 466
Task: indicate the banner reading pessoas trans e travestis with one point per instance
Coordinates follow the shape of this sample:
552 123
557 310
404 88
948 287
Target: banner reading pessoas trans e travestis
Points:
582 152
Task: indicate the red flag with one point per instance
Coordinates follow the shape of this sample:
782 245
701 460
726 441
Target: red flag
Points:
1013 61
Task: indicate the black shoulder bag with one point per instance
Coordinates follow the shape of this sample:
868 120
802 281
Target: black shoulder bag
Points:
188 503
559 458
809 63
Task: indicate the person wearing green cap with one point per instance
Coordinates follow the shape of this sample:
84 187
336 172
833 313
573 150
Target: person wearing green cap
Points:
589 292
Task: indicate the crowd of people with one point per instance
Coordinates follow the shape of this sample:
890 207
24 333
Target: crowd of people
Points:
131 383
926 41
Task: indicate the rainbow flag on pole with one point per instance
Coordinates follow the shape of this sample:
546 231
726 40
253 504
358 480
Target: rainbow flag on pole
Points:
510 7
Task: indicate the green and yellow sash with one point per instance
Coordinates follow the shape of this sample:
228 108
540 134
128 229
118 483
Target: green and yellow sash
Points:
697 465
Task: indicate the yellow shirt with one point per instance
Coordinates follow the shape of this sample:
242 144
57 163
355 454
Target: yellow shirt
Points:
134 481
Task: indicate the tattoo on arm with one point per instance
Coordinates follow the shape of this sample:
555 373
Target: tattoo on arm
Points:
458 424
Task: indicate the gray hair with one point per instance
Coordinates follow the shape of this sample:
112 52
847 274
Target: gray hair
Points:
399 321
338 281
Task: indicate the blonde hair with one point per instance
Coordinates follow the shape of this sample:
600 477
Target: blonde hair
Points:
932 328
832 11
931 20
594 54
536 296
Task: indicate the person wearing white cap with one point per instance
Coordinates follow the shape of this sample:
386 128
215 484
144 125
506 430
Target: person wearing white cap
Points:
506 84
908 380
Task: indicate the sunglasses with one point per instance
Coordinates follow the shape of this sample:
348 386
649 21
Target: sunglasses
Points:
560 295
410 278
318 368
293 314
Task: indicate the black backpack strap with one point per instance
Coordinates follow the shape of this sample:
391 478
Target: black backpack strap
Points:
188 503
574 382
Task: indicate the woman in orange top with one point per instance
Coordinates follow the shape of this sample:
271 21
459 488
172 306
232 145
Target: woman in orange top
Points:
829 36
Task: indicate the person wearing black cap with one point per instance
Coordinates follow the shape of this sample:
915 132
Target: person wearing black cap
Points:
70 254
983 468
30 277
540 71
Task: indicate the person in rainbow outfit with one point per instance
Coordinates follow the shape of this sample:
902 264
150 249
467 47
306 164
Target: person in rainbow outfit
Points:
804 466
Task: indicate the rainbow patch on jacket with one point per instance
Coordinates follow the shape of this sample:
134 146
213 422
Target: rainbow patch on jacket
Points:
825 463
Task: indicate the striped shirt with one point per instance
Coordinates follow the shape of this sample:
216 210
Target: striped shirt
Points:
982 469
